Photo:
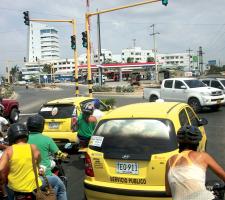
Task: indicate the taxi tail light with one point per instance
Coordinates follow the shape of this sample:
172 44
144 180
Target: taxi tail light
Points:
88 166
74 123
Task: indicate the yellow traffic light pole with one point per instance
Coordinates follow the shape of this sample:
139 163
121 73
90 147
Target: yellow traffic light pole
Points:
73 22
75 60
87 17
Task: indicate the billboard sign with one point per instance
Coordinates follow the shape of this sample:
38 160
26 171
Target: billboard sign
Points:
212 62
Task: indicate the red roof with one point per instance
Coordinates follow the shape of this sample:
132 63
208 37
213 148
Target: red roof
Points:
119 65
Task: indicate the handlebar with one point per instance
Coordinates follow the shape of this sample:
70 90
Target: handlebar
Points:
218 190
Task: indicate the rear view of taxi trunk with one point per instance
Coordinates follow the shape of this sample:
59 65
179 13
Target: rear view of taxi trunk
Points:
128 157
60 119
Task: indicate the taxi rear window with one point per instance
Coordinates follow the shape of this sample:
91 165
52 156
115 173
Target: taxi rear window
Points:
57 111
139 138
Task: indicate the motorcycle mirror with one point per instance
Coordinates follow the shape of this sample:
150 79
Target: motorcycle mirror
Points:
68 146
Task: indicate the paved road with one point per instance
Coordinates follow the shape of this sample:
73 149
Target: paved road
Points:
31 99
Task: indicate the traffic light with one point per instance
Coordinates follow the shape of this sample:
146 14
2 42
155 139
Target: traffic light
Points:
26 18
84 39
73 42
165 2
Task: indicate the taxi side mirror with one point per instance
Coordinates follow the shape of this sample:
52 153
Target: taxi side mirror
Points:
202 122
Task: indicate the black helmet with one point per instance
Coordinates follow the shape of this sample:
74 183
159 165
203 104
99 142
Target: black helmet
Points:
35 123
88 109
17 131
189 135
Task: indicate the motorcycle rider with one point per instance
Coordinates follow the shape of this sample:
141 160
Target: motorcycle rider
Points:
186 171
3 125
46 146
18 159
86 124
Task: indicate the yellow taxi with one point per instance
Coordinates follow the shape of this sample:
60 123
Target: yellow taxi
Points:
127 154
61 117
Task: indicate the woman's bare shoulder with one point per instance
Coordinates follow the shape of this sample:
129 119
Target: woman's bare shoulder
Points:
172 159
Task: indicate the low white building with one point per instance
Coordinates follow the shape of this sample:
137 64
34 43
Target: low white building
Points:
136 55
178 60
105 57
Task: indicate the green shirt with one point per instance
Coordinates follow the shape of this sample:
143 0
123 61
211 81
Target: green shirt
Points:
85 129
45 145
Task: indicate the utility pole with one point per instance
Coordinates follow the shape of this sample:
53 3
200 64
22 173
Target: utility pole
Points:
155 56
200 53
189 58
99 50
134 43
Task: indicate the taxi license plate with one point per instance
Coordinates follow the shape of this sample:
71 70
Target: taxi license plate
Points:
53 125
127 168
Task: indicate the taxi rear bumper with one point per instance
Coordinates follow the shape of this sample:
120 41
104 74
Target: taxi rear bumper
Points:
124 192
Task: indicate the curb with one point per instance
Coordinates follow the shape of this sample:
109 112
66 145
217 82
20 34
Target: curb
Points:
118 94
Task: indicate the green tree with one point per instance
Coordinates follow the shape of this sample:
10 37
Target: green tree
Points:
150 59
34 79
14 73
130 60
215 70
47 69
20 75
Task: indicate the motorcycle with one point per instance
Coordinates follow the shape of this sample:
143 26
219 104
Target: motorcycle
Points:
24 196
57 168
218 190
80 148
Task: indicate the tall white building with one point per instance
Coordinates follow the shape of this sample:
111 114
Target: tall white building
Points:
106 56
43 43
136 55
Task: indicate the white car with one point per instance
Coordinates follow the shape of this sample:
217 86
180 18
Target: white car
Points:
188 90
215 82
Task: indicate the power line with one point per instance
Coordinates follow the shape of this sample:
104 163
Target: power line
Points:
34 11
219 34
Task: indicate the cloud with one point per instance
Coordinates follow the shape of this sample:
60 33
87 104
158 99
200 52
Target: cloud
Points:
182 24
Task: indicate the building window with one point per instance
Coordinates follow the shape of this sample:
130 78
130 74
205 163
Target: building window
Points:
122 53
181 61
131 53
181 57
162 58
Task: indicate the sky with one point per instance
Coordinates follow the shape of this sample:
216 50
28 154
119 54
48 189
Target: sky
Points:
183 24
